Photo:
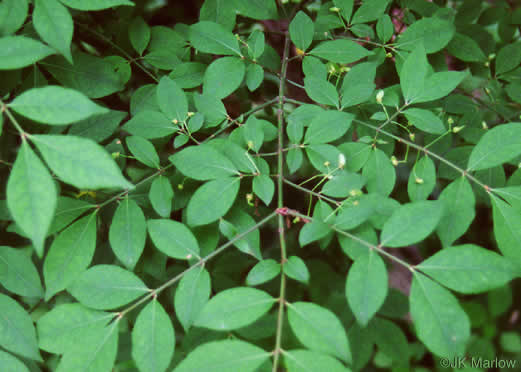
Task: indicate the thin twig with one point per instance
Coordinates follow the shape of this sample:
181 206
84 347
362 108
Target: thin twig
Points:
280 203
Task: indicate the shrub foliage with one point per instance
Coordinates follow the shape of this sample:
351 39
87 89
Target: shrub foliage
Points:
273 185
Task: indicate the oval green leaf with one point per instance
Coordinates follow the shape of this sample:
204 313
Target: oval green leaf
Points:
70 255
411 223
31 196
127 234
234 308
173 239
107 287
80 162
153 338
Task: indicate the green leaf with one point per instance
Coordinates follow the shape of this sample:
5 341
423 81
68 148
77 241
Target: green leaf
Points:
257 9
323 217
465 48
68 210
497 146
413 74
440 322
510 342
425 120
65 327
212 108
256 44
212 200
127 234
98 127
31 196
172 100
70 255
379 172
153 338
355 212
301 30
390 340
356 154
294 159
321 91
218 11
188 75
139 34
80 162
211 37
12 15
150 125
343 184
203 162
422 179
370 10
10 363
313 231
223 76
95 4
340 51
161 195
107 287
354 248
253 133
328 126
143 150
20 51
319 329
384 28
191 295
434 32
18 334
53 23
508 58
506 222
440 84
459 210
499 301
55 105
98 351
224 356
306 360
295 268
323 157
358 85
469 269
240 222
366 287
263 272
234 308
264 188
18 273
254 77
411 223
93 76
346 8
173 239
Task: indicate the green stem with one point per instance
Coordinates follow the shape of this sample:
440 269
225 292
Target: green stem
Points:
12 119
176 278
280 202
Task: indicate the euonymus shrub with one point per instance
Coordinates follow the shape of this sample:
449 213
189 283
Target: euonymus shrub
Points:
293 186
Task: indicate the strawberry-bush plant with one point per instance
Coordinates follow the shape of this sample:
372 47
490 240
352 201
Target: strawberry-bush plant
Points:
238 185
